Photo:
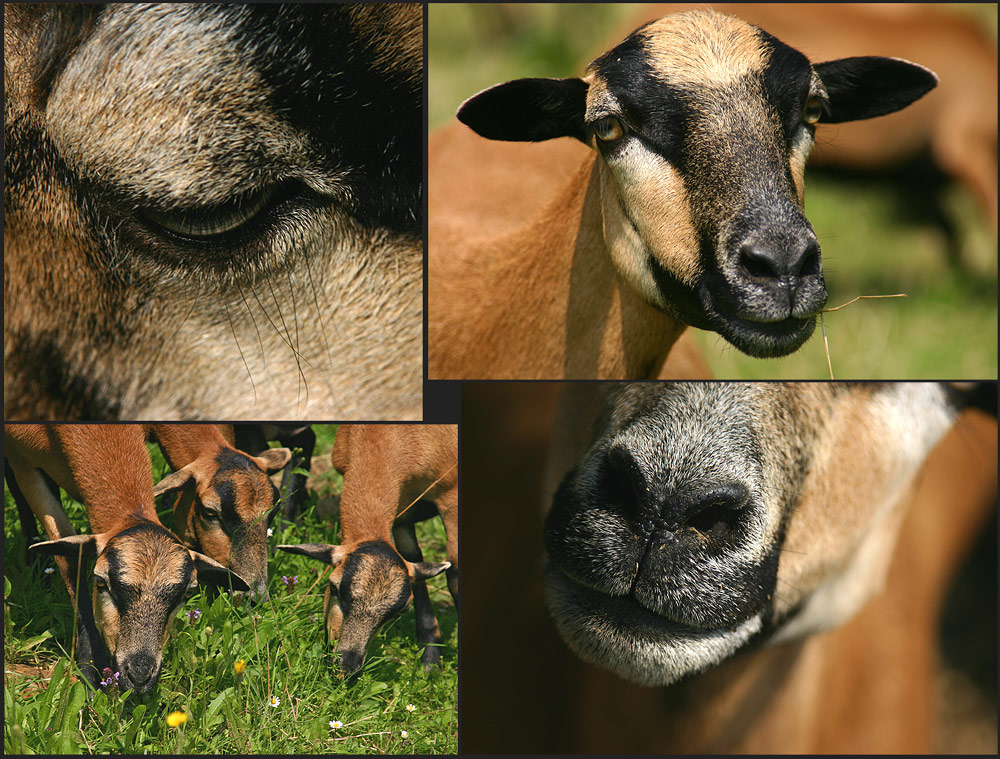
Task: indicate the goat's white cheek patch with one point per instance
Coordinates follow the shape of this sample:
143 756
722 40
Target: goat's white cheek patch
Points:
652 195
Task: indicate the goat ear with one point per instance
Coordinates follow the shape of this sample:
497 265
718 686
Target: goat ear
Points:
176 481
211 572
328 554
273 459
424 569
70 546
869 86
528 110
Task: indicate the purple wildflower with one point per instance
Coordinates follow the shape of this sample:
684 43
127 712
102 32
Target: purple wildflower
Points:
193 614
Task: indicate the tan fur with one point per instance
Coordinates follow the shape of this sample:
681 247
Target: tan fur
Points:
493 309
867 687
705 48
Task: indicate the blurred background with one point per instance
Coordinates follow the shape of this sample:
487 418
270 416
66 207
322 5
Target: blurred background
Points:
901 204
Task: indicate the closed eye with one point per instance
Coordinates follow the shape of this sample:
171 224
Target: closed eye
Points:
214 221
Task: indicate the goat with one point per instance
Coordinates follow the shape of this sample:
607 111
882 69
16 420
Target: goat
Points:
232 501
300 438
837 465
212 211
394 477
142 572
687 212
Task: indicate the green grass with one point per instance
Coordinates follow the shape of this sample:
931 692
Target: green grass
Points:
873 243
282 645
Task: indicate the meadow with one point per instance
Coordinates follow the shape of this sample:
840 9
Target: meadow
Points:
248 679
876 239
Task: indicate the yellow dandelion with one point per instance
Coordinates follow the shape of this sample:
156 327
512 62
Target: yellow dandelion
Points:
176 719
239 667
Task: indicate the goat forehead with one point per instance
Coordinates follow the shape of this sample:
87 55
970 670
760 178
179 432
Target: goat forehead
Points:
144 558
703 48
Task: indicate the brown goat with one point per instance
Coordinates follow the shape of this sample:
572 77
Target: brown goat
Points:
232 500
394 477
142 573
678 216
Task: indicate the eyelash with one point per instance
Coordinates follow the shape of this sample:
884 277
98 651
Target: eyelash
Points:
243 246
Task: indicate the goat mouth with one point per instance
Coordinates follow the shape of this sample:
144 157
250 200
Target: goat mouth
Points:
760 339
621 634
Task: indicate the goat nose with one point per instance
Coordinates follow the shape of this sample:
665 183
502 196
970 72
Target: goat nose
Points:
782 262
139 668
350 661
712 508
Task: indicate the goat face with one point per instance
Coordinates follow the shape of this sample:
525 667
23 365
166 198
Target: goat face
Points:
705 516
234 502
212 211
703 124
142 576
369 585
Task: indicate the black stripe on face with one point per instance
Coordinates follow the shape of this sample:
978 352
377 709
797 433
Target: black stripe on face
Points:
786 83
368 120
145 552
654 111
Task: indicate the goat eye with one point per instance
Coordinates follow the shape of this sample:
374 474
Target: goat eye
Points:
216 220
813 110
608 129
208 513
101 584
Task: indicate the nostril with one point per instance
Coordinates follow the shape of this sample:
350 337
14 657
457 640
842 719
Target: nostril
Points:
759 262
626 485
718 511
809 265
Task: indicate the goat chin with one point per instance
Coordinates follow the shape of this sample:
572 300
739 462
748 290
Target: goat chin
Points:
633 642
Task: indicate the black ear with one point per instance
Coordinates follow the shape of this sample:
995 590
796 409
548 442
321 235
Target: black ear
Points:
528 110
869 86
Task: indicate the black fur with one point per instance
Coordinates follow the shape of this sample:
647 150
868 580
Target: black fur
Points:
528 110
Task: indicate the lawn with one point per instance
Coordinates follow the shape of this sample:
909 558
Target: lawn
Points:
284 699
874 240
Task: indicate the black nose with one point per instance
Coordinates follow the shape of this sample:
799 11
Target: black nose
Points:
139 669
350 661
713 509
782 264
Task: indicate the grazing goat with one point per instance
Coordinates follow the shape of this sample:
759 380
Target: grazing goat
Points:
232 501
688 211
142 573
213 211
703 521
394 477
